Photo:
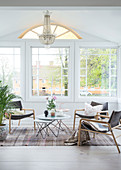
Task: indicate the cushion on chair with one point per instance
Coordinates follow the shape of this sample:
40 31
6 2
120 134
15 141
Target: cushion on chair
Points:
105 106
115 118
85 116
17 117
92 110
18 112
94 126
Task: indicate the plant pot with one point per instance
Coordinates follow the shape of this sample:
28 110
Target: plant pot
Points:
3 131
52 113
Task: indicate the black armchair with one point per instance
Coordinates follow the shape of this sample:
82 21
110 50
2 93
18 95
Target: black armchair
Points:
103 112
98 126
18 105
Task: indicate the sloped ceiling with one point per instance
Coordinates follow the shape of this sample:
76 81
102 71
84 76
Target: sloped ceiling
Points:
98 22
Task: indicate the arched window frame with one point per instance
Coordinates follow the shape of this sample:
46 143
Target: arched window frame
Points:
67 30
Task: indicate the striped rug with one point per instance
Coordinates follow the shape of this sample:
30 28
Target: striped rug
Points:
27 137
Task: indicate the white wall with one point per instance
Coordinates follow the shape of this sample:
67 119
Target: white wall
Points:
40 107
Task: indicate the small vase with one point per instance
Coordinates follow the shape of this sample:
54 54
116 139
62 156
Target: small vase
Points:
52 113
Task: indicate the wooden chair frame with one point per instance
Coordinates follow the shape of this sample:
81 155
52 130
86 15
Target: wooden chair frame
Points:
96 116
20 119
102 122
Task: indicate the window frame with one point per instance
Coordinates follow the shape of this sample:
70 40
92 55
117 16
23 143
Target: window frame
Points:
79 45
20 45
29 96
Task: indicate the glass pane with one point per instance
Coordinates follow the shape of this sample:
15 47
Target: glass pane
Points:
98 51
82 71
43 92
65 82
68 35
38 30
17 51
113 82
113 51
82 82
10 68
35 61
85 92
113 72
34 82
51 67
65 72
60 30
34 93
83 62
35 50
17 61
113 61
65 93
30 35
100 65
34 71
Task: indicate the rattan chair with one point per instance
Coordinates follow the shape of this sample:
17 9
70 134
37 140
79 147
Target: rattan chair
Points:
101 126
18 105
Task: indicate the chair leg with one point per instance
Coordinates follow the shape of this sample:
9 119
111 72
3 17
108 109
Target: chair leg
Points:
94 135
114 140
19 122
74 121
79 134
34 121
34 126
10 123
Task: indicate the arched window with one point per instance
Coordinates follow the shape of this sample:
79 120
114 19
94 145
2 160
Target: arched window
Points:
60 31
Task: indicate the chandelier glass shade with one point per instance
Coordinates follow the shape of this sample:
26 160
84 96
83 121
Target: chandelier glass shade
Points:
47 38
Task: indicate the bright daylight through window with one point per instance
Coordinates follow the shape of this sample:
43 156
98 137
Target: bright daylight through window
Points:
60 31
50 71
98 72
10 68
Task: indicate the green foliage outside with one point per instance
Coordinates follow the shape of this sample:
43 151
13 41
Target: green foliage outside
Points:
98 68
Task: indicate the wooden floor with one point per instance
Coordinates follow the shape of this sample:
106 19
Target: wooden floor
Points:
60 157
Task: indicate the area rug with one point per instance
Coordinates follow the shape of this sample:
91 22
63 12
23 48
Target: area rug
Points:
27 137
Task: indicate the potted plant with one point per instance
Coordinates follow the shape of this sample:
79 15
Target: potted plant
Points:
5 98
51 105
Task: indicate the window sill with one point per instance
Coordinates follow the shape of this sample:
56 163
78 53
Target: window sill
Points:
98 99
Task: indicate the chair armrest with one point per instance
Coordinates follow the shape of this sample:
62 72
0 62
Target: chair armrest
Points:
79 110
28 110
96 121
104 116
105 111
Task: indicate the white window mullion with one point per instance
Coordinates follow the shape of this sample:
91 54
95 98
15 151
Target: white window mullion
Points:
37 76
13 69
49 62
110 73
86 70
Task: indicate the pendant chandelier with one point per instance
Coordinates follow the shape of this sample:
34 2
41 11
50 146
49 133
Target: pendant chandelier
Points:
47 38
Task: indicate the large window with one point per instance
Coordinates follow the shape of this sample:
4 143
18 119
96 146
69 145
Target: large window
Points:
98 72
50 71
10 68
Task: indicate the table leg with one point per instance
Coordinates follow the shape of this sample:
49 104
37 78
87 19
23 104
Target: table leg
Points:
66 126
41 127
